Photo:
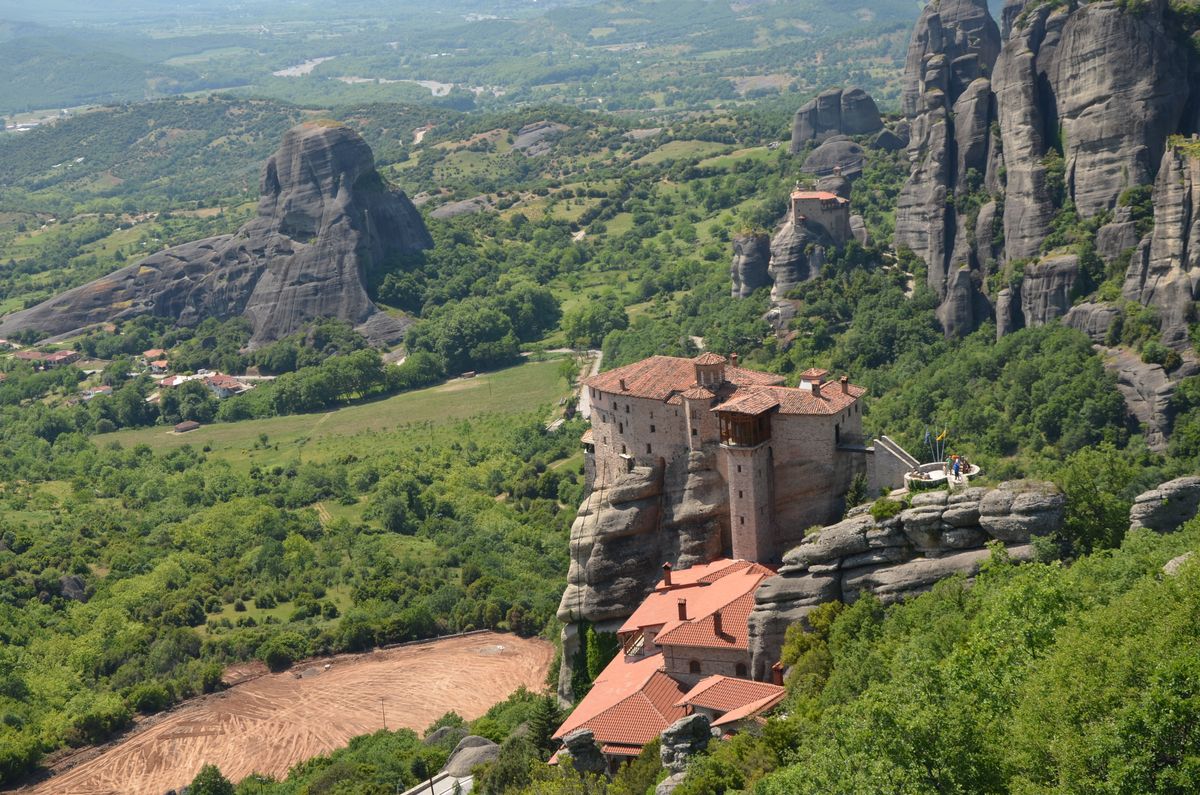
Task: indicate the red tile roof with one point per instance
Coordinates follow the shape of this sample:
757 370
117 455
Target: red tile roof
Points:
629 704
662 605
701 631
30 356
710 358
822 195
659 377
222 381
725 693
814 372
749 710
153 353
588 437
667 378
750 401
796 401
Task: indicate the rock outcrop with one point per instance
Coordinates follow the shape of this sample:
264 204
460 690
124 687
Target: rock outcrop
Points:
941 534
580 748
1148 392
948 98
751 257
1046 289
837 111
797 254
471 752
682 740
838 154
325 219
1164 274
1165 508
647 516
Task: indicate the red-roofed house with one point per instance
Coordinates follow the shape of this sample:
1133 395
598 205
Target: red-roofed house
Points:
224 386
61 358
787 454
684 650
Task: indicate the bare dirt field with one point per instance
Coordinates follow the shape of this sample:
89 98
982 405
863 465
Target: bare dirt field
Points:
270 723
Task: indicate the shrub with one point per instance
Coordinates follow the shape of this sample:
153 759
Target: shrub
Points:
885 508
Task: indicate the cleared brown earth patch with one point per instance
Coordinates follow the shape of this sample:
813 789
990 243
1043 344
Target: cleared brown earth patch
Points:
268 724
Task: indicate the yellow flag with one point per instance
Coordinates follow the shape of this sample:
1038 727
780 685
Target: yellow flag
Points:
942 435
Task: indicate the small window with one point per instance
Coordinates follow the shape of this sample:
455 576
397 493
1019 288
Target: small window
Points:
626 408
623 450
740 495
614 405
739 468
694 666
648 450
740 670
694 432
651 429
741 520
620 427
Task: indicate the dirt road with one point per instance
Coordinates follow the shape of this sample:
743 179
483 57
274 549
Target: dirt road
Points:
268 724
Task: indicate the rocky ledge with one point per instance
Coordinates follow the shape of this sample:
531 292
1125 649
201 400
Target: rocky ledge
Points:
940 535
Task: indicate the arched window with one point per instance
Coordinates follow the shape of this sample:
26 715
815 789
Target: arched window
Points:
740 670
694 667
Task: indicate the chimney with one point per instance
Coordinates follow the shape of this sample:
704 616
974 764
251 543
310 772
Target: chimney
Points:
777 674
845 380
733 359
666 567
683 609
816 389
717 629
622 384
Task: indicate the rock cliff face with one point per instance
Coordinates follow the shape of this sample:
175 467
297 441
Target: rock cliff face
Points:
751 256
948 97
835 112
1062 108
940 535
325 219
797 254
624 531
1164 274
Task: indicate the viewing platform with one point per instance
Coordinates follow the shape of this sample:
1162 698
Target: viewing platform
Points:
935 475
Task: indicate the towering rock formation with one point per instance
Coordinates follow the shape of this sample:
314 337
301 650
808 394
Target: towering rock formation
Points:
751 256
948 98
797 254
1164 272
325 219
1073 108
835 112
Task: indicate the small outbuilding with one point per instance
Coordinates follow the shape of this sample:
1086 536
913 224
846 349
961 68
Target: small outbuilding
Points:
186 425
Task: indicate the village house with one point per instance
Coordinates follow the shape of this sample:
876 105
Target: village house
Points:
224 386
60 359
36 357
159 366
685 650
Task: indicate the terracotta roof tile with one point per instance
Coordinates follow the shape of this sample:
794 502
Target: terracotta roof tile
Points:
710 358
749 710
751 401
795 401
824 196
725 693
702 630
629 704
660 377
662 605
814 372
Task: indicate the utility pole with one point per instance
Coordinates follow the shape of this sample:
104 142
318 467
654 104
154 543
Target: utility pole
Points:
383 712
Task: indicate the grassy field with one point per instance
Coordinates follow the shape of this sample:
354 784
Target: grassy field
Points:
682 150
400 420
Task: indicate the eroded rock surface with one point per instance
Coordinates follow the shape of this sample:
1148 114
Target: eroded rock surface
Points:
325 219
1165 508
940 535
682 740
836 111
751 257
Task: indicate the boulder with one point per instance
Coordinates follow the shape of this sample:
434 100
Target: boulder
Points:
858 228
797 255
1165 508
580 747
836 153
669 784
73 587
325 220
888 141
446 735
751 257
1173 566
682 740
471 752
834 112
